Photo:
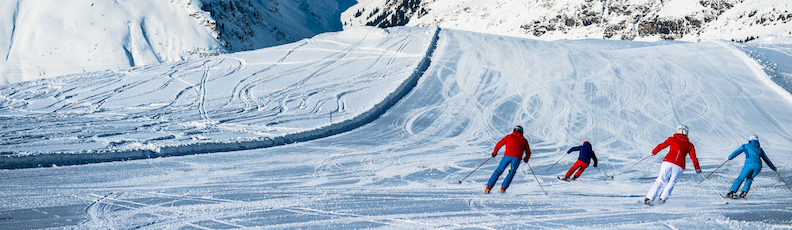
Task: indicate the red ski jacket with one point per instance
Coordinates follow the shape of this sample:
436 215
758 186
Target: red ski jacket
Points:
680 147
516 145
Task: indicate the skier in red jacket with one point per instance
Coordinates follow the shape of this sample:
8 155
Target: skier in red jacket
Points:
673 163
516 145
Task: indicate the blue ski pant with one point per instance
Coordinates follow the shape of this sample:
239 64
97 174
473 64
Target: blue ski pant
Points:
515 163
749 171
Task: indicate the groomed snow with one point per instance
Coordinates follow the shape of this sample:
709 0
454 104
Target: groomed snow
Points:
301 91
401 169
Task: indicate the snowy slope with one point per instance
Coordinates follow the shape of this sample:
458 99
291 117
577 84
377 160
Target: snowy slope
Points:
48 38
295 92
401 170
40 39
647 20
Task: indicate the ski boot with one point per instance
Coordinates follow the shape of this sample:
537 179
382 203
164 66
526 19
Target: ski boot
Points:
487 190
503 190
742 195
647 201
564 178
573 178
662 201
731 194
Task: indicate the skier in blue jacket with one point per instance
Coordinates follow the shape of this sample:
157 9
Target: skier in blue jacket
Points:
753 165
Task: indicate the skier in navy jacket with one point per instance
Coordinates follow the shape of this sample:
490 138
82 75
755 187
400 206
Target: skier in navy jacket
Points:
753 165
586 154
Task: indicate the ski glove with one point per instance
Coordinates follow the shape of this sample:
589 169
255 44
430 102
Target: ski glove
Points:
494 154
698 171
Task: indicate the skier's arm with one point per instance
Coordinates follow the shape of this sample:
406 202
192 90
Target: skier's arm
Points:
767 160
576 148
527 152
694 158
594 156
498 146
737 152
661 146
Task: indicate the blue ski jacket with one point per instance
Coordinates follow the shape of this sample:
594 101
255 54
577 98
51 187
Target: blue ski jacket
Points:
586 154
753 155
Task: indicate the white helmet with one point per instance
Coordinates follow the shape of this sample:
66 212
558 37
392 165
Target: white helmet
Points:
753 138
683 129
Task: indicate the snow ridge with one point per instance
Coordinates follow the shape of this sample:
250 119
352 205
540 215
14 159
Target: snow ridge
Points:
15 160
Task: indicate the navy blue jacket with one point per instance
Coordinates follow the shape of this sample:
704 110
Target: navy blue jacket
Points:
586 154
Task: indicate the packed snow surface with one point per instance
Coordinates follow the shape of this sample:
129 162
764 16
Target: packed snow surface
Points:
401 170
294 92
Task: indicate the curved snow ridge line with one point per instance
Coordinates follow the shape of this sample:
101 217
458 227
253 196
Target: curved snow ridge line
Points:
14 161
758 71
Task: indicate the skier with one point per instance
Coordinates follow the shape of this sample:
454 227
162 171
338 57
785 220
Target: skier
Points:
516 145
673 164
753 165
586 154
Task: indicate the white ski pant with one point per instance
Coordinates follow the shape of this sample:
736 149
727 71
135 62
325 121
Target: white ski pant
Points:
669 173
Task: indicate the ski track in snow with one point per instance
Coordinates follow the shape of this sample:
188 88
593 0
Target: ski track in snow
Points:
186 108
401 170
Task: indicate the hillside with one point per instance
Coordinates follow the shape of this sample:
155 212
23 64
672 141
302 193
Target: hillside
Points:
644 20
401 168
42 39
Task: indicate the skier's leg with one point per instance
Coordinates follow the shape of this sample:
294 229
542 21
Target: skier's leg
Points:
748 181
575 167
571 171
504 162
675 172
662 178
515 163
746 171
582 166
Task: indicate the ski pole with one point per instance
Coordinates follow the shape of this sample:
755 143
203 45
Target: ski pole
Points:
713 189
782 180
710 174
537 178
632 165
603 172
482 163
559 159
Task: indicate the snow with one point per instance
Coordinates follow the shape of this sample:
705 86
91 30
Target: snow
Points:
400 169
44 39
640 20
293 92
52 38
748 19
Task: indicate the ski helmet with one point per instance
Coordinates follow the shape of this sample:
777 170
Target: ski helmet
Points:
683 129
753 138
518 129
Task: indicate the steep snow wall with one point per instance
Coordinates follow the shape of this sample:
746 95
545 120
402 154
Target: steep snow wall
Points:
41 39
253 24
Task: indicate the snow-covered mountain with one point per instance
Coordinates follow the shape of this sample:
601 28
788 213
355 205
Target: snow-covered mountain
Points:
647 20
423 128
47 38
